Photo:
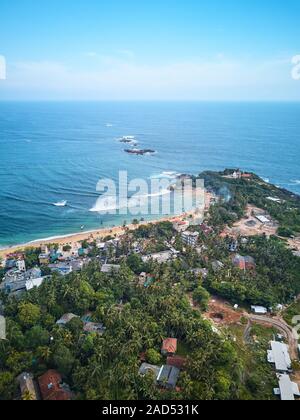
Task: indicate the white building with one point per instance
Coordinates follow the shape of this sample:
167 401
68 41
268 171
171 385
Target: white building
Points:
31 284
279 356
259 310
287 390
110 268
160 257
20 265
190 238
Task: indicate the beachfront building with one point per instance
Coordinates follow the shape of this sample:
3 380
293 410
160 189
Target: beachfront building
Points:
180 225
44 259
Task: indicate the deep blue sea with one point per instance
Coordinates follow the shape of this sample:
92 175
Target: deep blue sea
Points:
51 152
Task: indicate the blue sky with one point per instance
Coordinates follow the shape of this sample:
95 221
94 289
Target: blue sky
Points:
172 50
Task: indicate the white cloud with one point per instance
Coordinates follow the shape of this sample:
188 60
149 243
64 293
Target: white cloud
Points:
115 78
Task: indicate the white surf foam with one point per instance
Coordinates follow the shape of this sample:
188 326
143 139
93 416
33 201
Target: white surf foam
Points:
106 204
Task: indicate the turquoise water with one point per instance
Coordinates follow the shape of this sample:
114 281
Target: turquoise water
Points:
51 152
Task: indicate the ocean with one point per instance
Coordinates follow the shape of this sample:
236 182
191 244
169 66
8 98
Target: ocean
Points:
52 152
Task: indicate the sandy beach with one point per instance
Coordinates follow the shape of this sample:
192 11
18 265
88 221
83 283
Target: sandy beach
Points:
116 231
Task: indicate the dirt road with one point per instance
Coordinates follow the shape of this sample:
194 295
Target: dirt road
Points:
280 325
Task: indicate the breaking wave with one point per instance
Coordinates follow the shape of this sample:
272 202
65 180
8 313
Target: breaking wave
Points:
105 204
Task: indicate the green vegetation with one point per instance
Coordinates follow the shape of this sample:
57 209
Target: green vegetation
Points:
106 367
259 377
276 279
291 312
236 193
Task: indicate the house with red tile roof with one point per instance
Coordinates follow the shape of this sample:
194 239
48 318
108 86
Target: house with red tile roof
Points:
169 347
52 387
177 361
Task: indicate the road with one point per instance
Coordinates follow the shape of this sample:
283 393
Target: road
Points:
280 325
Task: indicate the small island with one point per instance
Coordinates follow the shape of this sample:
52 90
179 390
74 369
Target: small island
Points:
140 152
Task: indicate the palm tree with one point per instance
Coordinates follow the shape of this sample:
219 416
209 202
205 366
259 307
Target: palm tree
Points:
28 396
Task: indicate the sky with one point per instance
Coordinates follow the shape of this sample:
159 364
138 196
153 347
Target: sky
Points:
149 50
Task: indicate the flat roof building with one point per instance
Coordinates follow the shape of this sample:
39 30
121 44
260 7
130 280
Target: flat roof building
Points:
279 355
168 377
287 390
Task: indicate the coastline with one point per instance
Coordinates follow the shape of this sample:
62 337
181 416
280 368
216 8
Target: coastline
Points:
95 234
82 236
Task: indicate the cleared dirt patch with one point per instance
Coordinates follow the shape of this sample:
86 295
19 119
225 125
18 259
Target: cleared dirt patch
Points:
251 226
220 312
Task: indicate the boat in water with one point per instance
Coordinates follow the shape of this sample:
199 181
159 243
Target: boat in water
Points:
60 203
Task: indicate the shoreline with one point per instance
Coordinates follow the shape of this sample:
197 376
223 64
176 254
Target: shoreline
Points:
73 238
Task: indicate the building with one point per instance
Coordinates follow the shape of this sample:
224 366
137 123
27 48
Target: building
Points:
61 268
31 284
110 268
168 377
176 361
279 356
27 386
287 390
2 328
262 219
180 225
93 327
259 310
169 347
146 368
160 257
244 263
206 230
44 259
14 281
190 238
65 319
233 246
33 273
246 176
52 387
20 265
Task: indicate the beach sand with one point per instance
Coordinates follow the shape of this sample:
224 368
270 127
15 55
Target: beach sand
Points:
117 231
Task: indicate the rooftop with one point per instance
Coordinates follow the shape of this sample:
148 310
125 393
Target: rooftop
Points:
288 389
169 346
168 376
279 355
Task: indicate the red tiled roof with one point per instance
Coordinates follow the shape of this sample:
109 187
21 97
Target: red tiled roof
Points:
51 389
176 361
169 345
